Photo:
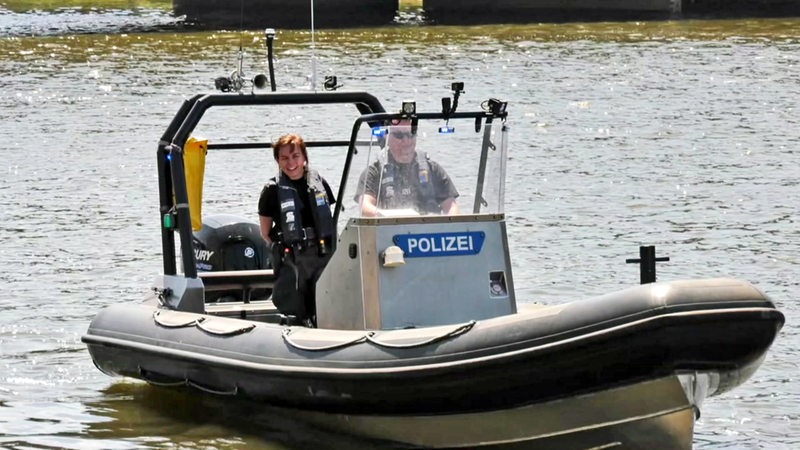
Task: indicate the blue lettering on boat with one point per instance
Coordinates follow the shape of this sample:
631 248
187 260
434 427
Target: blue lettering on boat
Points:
440 244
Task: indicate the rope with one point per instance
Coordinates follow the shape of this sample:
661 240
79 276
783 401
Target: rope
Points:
285 334
185 382
212 391
144 374
452 333
369 337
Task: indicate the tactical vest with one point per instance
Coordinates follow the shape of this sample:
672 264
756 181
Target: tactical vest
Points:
420 193
291 221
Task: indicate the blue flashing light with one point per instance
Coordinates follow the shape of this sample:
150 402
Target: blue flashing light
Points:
379 131
447 130
169 156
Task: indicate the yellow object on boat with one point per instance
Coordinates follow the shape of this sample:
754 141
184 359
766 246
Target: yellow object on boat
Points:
194 163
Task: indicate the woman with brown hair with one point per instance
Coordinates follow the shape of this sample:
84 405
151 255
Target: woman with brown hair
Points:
296 222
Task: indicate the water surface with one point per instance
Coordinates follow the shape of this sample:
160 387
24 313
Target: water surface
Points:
681 135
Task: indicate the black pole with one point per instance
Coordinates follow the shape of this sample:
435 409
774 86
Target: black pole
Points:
487 143
647 263
270 33
182 211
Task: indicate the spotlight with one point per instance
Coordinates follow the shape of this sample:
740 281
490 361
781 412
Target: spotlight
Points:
409 108
223 84
497 107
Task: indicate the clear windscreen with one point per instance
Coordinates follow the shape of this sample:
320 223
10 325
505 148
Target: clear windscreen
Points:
429 167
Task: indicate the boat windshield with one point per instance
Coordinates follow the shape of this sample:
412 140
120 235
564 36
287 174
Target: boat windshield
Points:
427 167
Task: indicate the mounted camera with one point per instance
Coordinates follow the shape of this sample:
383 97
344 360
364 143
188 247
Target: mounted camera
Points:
497 107
448 106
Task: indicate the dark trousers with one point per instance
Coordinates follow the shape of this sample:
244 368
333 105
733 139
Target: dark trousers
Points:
294 293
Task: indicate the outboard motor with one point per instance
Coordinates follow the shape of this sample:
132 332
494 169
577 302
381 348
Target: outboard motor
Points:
228 242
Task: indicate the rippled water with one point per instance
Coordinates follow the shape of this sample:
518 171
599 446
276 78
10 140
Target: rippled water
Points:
38 18
681 135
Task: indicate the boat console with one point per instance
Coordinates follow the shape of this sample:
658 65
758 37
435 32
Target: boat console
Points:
424 238
416 271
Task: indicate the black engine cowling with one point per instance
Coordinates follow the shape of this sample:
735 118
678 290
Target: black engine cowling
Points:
228 242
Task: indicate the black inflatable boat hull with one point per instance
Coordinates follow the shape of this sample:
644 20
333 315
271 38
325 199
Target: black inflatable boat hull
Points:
668 335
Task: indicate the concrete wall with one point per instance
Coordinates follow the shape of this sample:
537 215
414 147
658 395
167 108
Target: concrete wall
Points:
286 14
296 14
487 11
524 11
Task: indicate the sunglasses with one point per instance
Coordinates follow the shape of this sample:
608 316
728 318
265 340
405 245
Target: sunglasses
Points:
402 134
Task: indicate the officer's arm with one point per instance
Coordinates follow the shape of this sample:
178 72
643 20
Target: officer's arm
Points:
266 226
369 206
449 207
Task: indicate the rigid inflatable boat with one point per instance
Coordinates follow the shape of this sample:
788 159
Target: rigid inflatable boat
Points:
420 338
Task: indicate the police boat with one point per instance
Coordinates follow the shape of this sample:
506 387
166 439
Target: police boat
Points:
420 337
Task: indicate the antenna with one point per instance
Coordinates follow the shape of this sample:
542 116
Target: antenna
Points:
313 58
241 29
269 33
